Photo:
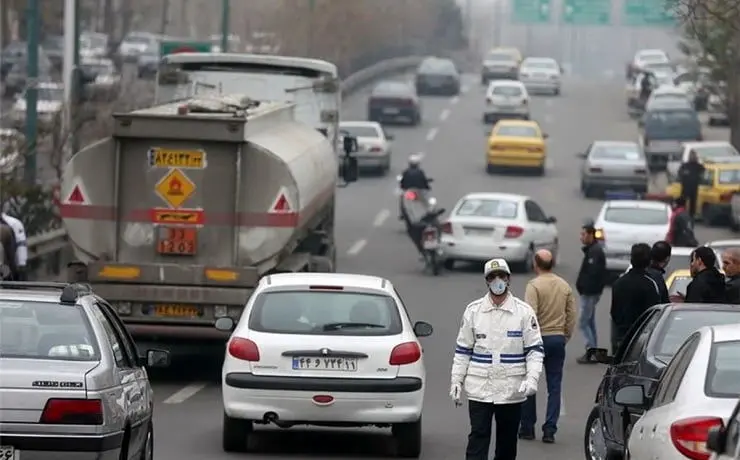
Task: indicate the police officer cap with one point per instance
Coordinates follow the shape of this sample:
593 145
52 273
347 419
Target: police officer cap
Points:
496 266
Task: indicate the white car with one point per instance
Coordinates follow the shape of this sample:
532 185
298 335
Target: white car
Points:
324 349
646 57
506 99
540 74
668 94
482 226
49 104
696 393
374 144
706 151
624 223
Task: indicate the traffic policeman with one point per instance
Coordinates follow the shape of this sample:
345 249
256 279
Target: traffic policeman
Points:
21 245
498 362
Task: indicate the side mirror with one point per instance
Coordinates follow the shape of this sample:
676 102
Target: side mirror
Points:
350 169
225 324
157 358
601 355
422 329
717 439
631 396
581 155
545 135
349 144
551 220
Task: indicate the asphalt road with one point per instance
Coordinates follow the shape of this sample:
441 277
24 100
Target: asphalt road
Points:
188 409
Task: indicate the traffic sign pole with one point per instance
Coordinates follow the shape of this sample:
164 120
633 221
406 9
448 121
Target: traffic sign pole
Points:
225 10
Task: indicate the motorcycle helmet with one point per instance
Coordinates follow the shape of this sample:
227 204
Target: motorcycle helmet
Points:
414 160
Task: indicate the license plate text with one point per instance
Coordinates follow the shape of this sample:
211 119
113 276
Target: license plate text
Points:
325 364
177 241
8 453
176 311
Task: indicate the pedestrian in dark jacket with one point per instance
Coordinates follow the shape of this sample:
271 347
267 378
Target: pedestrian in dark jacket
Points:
708 284
689 175
660 256
590 285
731 266
632 294
681 229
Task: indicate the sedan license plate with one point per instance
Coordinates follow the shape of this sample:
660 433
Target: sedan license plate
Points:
176 311
431 245
324 364
478 232
391 111
9 453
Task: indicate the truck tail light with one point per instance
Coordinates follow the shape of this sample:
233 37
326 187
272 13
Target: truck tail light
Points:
244 349
72 412
406 353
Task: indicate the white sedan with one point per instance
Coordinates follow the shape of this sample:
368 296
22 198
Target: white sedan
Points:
324 349
506 99
373 142
482 226
540 74
624 223
696 394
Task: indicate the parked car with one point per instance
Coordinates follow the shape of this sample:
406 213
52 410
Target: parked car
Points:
690 399
136 43
16 78
394 101
344 342
49 105
649 346
73 384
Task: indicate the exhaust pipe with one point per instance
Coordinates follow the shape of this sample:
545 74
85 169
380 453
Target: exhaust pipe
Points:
272 417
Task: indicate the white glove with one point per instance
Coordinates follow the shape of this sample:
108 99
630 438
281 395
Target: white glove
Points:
456 393
527 388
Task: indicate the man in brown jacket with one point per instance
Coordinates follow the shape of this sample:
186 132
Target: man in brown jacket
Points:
553 302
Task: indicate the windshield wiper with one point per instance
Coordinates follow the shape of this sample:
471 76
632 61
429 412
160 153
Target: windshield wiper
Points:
338 326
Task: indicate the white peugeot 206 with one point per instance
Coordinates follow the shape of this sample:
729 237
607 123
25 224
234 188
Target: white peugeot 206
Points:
324 349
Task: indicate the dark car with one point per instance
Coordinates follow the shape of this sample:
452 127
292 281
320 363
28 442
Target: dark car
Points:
147 63
394 101
646 351
54 48
11 54
664 130
437 76
16 79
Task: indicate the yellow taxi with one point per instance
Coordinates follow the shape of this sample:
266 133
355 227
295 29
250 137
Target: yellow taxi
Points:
720 181
516 144
501 63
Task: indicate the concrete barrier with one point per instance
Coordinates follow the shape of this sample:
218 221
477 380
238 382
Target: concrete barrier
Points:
50 252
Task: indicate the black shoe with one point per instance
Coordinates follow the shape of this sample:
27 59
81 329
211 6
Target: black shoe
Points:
548 438
586 359
526 435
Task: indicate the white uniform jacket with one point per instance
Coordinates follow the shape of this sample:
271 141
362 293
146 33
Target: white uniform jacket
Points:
498 347
21 252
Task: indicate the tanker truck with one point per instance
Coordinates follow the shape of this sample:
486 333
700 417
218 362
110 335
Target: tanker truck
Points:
176 217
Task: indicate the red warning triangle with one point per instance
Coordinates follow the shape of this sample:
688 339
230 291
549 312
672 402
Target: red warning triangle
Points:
281 204
76 197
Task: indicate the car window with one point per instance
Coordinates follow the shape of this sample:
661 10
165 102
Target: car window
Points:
673 374
723 373
714 151
361 131
117 348
506 90
636 216
728 177
45 330
330 312
500 57
129 346
682 323
517 131
534 212
392 89
500 209
637 339
707 178
616 152
550 65
437 65
671 117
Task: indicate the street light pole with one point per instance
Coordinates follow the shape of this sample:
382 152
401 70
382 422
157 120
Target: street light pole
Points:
225 13
32 75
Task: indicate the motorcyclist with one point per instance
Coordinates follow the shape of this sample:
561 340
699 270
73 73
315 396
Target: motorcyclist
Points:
413 177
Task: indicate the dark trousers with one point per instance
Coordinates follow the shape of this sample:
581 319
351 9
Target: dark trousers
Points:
617 338
481 423
554 360
690 195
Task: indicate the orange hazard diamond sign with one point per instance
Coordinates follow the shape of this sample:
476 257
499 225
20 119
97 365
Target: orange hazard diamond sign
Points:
175 188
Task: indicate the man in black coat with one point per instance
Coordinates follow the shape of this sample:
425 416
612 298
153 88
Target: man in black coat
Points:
689 175
632 294
708 284
590 285
731 266
660 256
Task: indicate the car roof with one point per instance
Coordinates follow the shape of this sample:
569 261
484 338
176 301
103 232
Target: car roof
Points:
707 144
540 59
698 307
682 251
728 163
724 243
640 204
680 273
725 333
328 279
650 51
516 83
615 143
494 196
528 123
360 124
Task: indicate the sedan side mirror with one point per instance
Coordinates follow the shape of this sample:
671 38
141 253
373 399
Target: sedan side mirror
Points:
157 358
631 396
581 155
550 220
422 329
545 135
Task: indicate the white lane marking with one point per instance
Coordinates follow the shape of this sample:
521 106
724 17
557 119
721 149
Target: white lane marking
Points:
184 393
548 102
444 115
381 217
455 100
431 134
357 247
548 119
464 89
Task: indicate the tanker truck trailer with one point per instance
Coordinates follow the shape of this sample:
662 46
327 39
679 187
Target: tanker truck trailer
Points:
176 217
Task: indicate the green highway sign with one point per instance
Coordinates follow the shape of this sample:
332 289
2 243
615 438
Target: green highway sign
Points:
183 46
648 13
587 12
531 11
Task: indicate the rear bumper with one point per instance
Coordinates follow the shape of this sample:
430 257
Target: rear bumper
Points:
245 380
449 88
541 85
633 183
348 407
73 447
381 114
499 75
516 161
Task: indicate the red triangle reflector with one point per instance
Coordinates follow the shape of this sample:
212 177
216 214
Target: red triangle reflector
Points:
76 197
282 204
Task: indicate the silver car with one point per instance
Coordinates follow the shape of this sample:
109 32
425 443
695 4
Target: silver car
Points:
541 75
611 165
373 142
72 386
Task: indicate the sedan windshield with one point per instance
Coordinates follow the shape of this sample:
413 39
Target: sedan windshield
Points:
636 216
616 152
499 209
360 131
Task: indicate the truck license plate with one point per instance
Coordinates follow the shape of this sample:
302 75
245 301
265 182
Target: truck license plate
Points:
9 453
177 241
325 364
174 311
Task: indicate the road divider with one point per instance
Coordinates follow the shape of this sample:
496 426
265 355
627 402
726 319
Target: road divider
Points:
50 252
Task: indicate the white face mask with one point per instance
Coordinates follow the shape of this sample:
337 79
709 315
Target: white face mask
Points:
498 286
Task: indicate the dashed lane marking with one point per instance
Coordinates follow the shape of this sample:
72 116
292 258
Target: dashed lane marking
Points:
464 89
548 119
431 134
381 217
444 115
548 102
185 393
455 100
357 247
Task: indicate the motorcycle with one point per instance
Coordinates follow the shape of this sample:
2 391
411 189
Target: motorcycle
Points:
407 196
431 238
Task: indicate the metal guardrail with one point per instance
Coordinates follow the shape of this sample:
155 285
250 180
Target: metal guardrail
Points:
49 252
